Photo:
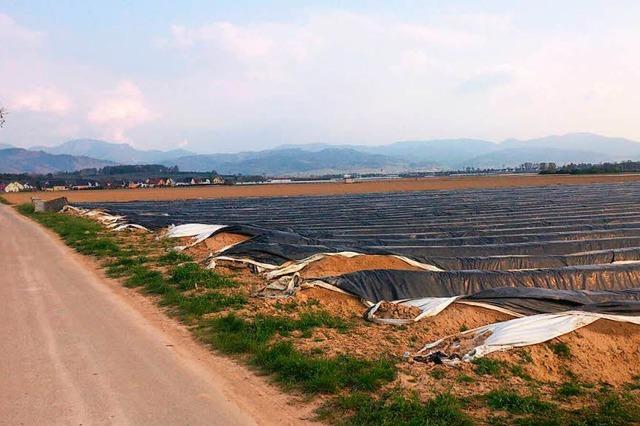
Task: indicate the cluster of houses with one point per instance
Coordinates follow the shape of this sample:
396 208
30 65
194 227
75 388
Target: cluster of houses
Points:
85 184
15 187
168 182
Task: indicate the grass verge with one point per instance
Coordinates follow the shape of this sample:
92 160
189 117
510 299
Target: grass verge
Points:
192 294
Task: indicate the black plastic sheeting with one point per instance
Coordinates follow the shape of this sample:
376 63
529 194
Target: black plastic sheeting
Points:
531 301
488 229
377 285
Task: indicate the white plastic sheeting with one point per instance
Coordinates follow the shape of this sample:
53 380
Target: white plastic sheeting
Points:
430 306
114 222
296 266
511 334
197 231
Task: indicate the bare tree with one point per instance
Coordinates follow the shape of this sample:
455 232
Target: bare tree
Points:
3 116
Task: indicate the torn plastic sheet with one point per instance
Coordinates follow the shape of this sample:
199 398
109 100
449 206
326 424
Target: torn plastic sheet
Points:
296 266
197 231
510 334
430 306
114 222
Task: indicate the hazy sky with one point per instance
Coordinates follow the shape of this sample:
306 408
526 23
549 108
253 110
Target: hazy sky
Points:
227 76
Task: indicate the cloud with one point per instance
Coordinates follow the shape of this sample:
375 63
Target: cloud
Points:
244 42
44 100
487 78
120 110
12 33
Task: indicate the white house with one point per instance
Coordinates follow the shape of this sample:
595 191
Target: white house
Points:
14 187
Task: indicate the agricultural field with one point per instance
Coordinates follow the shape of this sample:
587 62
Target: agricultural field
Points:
330 188
507 305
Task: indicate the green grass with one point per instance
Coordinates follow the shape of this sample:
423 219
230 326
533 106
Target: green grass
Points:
231 334
518 370
488 366
80 233
561 349
289 366
569 389
393 408
515 403
610 409
437 374
4 201
190 276
125 266
318 374
174 258
465 378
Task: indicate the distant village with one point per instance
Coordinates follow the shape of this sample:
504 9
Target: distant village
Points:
88 184
154 176
112 177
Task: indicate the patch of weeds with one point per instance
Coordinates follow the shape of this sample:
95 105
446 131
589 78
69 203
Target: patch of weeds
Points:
191 275
232 334
515 403
4 201
393 408
312 302
610 410
569 389
314 374
196 306
174 258
463 328
525 356
148 278
465 378
80 233
125 266
561 349
25 209
518 371
488 366
310 372
437 374
634 385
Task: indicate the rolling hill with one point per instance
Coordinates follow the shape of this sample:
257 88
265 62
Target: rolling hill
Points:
295 161
115 152
320 158
18 160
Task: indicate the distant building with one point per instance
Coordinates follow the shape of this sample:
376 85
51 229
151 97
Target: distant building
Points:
15 187
218 180
82 184
137 184
200 181
153 182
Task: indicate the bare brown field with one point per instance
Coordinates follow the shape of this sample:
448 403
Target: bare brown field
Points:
331 188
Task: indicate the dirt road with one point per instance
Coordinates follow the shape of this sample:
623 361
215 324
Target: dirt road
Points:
327 188
74 350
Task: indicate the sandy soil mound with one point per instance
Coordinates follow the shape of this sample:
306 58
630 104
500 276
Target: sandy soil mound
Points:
389 310
338 265
605 351
211 245
372 340
224 239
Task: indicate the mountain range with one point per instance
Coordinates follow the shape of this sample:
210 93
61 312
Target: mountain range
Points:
18 160
316 159
120 153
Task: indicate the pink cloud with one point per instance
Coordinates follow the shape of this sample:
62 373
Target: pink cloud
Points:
120 110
